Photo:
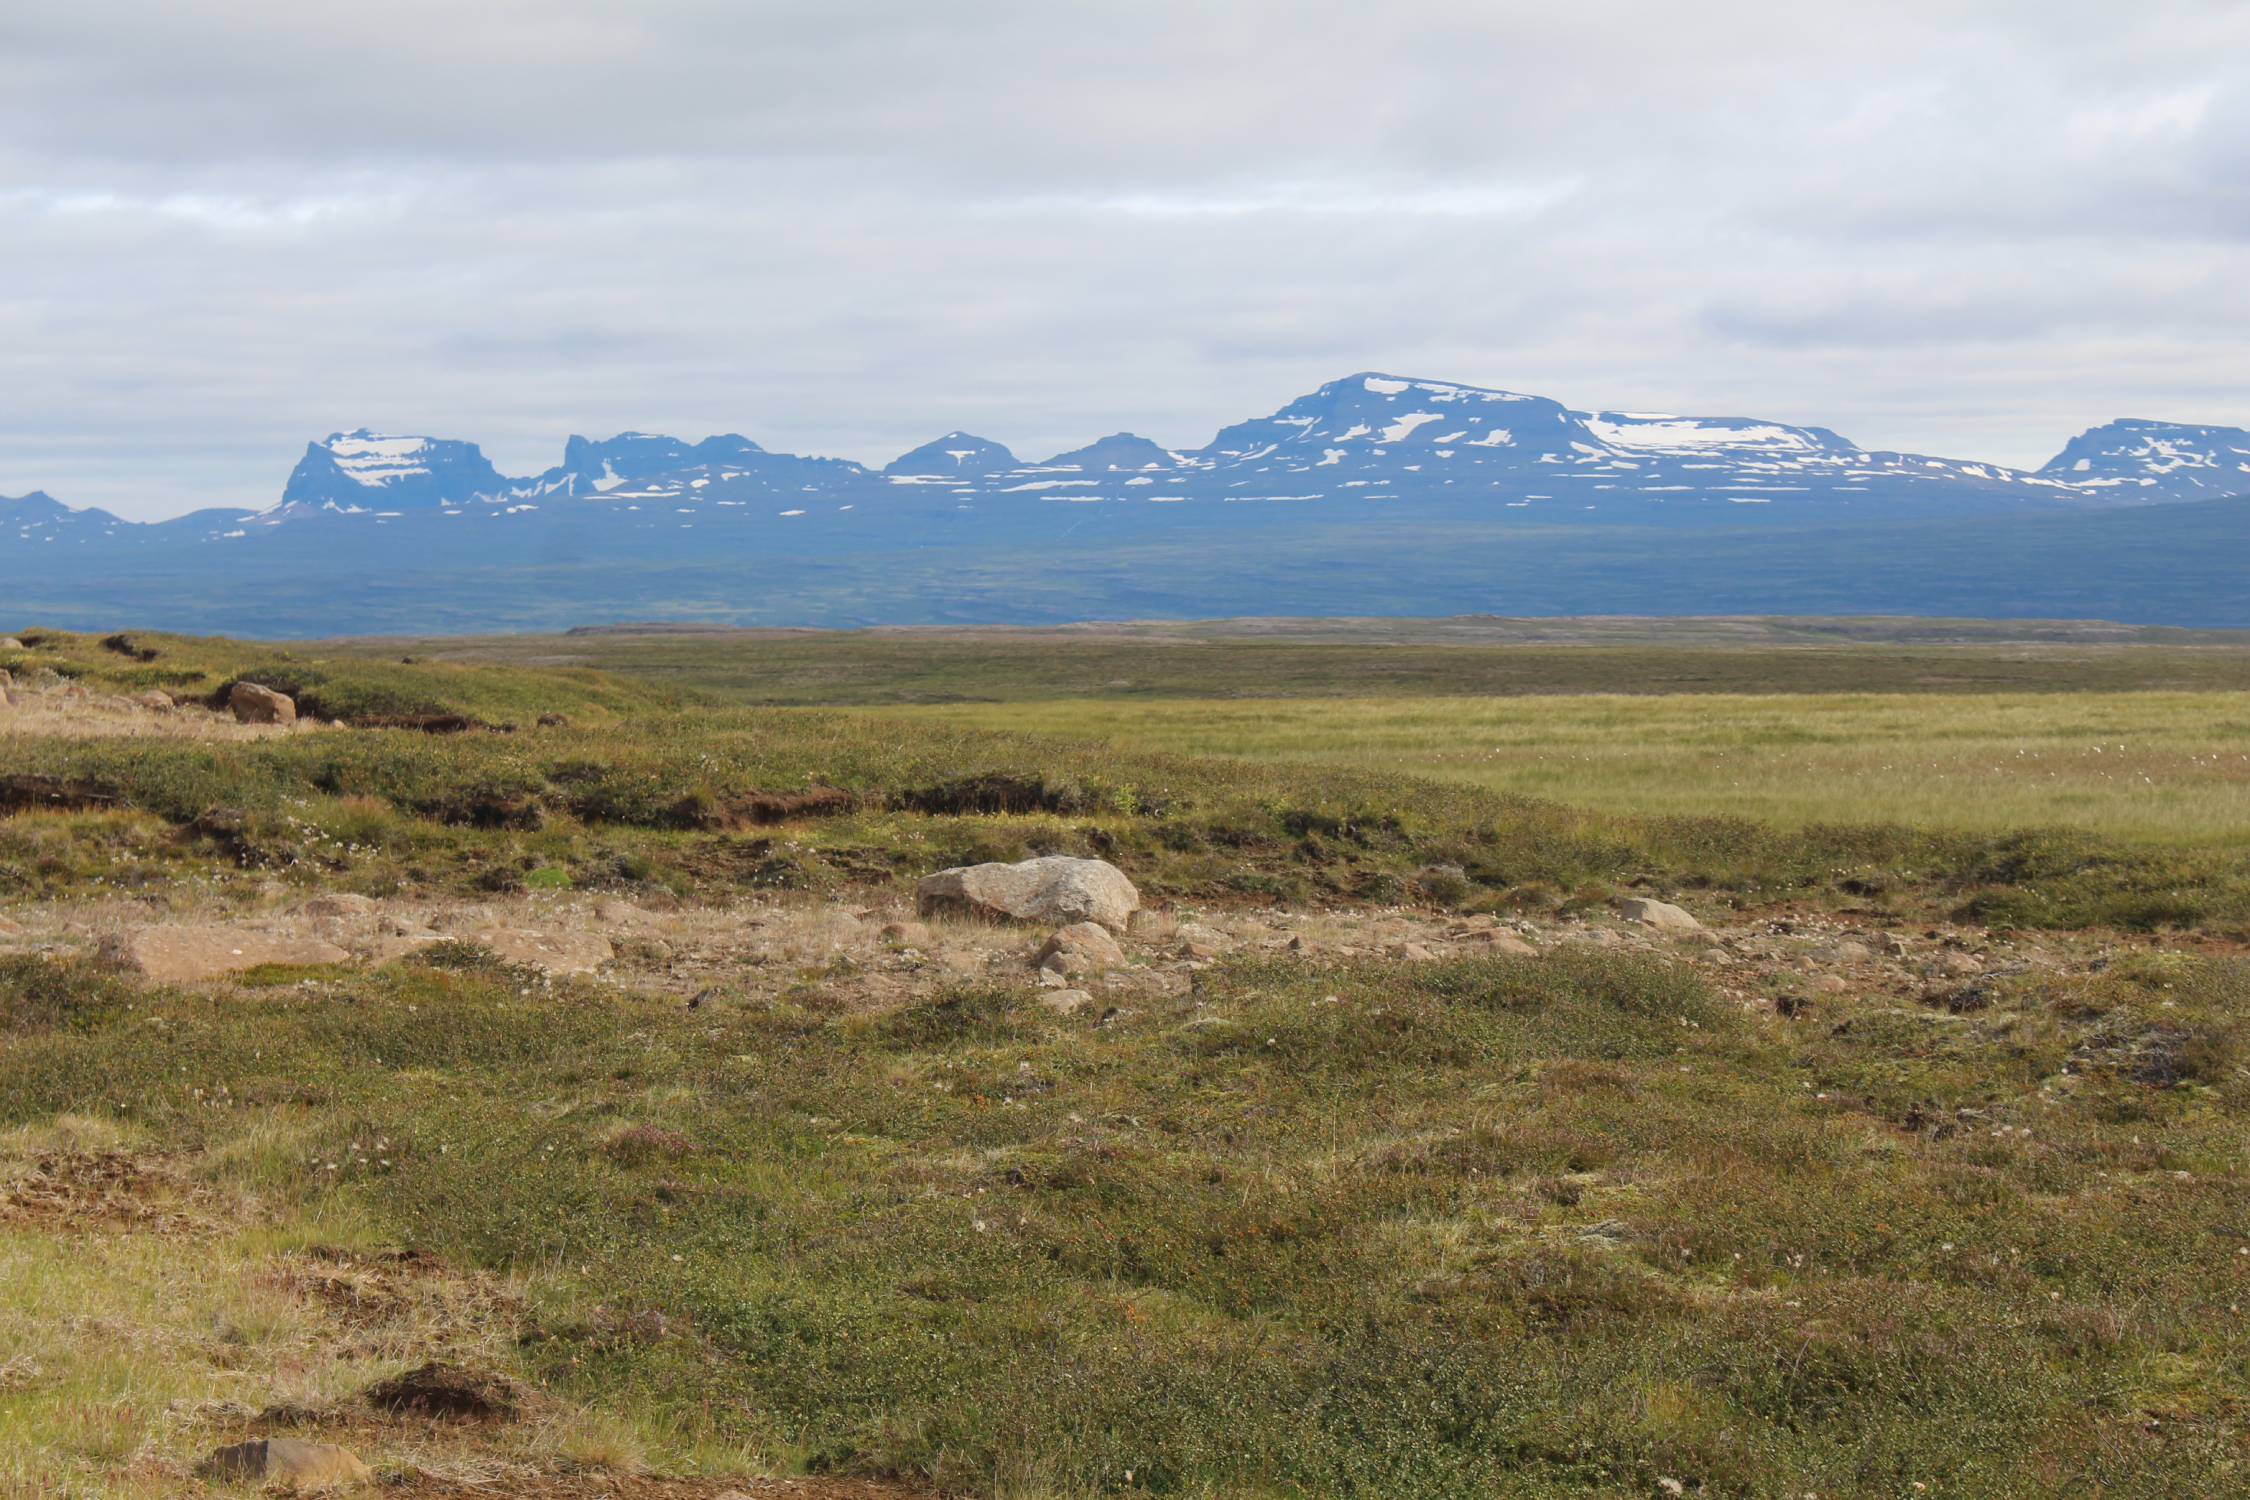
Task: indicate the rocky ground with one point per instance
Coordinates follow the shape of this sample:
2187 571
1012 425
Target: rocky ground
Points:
875 955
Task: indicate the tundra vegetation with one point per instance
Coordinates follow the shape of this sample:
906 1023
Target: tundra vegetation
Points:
643 1140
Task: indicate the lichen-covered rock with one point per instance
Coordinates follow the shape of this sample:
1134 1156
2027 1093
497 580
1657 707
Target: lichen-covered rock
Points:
1055 889
1661 915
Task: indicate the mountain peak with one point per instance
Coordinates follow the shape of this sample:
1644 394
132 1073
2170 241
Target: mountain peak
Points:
362 469
956 455
2151 460
1118 451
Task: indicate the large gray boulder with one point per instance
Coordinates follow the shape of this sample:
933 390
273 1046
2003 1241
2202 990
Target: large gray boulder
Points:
1058 890
1661 915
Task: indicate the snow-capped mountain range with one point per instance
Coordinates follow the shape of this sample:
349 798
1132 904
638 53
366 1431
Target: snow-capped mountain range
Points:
1369 455
1365 437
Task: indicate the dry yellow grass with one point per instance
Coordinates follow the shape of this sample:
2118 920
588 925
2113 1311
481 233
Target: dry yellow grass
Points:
2169 767
77 712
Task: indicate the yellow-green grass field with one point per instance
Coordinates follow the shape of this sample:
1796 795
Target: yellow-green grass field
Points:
2169 767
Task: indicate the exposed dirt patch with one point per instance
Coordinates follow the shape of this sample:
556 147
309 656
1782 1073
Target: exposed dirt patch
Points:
992 794
450 1392
25 792
75 1192
430 723
125 645
764 809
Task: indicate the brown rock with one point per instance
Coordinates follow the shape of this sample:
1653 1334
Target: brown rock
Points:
1066 1002
189 955
253 704
298 1464
1083 948
1199 941
1492 940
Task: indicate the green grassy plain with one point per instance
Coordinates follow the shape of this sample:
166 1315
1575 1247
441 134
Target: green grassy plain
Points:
2163 767
1472 657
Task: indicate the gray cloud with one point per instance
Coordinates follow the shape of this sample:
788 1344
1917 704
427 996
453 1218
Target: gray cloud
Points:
842 227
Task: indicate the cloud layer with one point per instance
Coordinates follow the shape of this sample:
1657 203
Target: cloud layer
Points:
1971 228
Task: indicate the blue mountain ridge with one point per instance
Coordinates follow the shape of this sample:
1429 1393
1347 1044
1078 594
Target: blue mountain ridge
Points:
1455 483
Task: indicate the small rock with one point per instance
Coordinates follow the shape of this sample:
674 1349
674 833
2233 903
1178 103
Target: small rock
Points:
1494 941
840 928
189 955
1661 915
1056 888
1082 948
301 1465
1065 1002
1199 941
254 704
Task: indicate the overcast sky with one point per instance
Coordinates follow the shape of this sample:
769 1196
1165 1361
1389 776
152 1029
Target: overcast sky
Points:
844 226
